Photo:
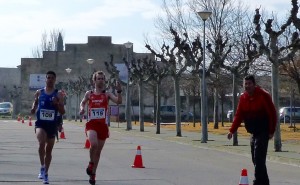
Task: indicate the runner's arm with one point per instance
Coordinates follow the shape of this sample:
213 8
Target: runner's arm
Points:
116 98
83 102
59 103
35 102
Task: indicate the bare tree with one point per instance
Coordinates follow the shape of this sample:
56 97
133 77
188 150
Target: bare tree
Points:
228 40
277 52
190 87
49 42
290 69
141 70
159 72
177 64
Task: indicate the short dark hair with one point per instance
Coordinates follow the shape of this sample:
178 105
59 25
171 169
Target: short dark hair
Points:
51 73
251 78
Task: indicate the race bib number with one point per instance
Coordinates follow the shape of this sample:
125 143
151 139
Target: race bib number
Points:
46 114
97 113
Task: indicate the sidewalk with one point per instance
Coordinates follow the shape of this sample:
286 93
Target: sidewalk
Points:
290 151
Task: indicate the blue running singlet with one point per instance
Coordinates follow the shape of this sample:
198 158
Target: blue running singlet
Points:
46 112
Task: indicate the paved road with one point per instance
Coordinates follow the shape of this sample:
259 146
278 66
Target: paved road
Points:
168 160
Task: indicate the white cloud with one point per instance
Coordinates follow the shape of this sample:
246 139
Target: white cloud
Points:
24 21
19 2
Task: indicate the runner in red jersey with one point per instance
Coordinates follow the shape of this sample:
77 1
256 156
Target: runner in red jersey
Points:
96 127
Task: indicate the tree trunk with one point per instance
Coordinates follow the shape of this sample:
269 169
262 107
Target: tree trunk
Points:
275 97
222 111
158 99
178 106
141 104
216 109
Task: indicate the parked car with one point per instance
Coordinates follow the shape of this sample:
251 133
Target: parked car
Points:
6 109
285 113
167 113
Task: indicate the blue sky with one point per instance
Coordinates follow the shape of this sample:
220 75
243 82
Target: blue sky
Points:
24 21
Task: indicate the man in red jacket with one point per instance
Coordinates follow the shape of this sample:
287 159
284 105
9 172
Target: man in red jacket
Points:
258 113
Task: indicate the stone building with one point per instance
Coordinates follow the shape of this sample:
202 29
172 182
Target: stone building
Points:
10 89
15 82
98 48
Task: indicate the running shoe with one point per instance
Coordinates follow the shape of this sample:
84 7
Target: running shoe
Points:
92 180
89 169
46 180
42 173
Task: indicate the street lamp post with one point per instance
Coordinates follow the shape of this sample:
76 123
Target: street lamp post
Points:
128 45
90 61
68 70
204 16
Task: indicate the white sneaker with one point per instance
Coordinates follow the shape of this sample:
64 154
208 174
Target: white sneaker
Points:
46 180
42 173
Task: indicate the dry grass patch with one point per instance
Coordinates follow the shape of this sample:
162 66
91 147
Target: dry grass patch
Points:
287 134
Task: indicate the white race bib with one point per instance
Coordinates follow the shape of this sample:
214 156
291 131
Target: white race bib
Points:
97 113
46 114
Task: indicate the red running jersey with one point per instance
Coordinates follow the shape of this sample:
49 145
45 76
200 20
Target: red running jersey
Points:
98 106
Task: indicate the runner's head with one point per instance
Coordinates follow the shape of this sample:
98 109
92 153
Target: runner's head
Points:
99 79
249 84
50 78
51 73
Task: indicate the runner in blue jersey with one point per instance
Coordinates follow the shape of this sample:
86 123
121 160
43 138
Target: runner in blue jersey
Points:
48 102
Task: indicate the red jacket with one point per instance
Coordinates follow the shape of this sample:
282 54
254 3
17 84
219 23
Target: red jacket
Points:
254 111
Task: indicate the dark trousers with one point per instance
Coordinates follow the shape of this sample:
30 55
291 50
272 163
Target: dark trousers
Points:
259 148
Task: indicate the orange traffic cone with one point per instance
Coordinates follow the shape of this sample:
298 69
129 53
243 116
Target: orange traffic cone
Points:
30 124
138 161
62 134
22 119
87 143
244 178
